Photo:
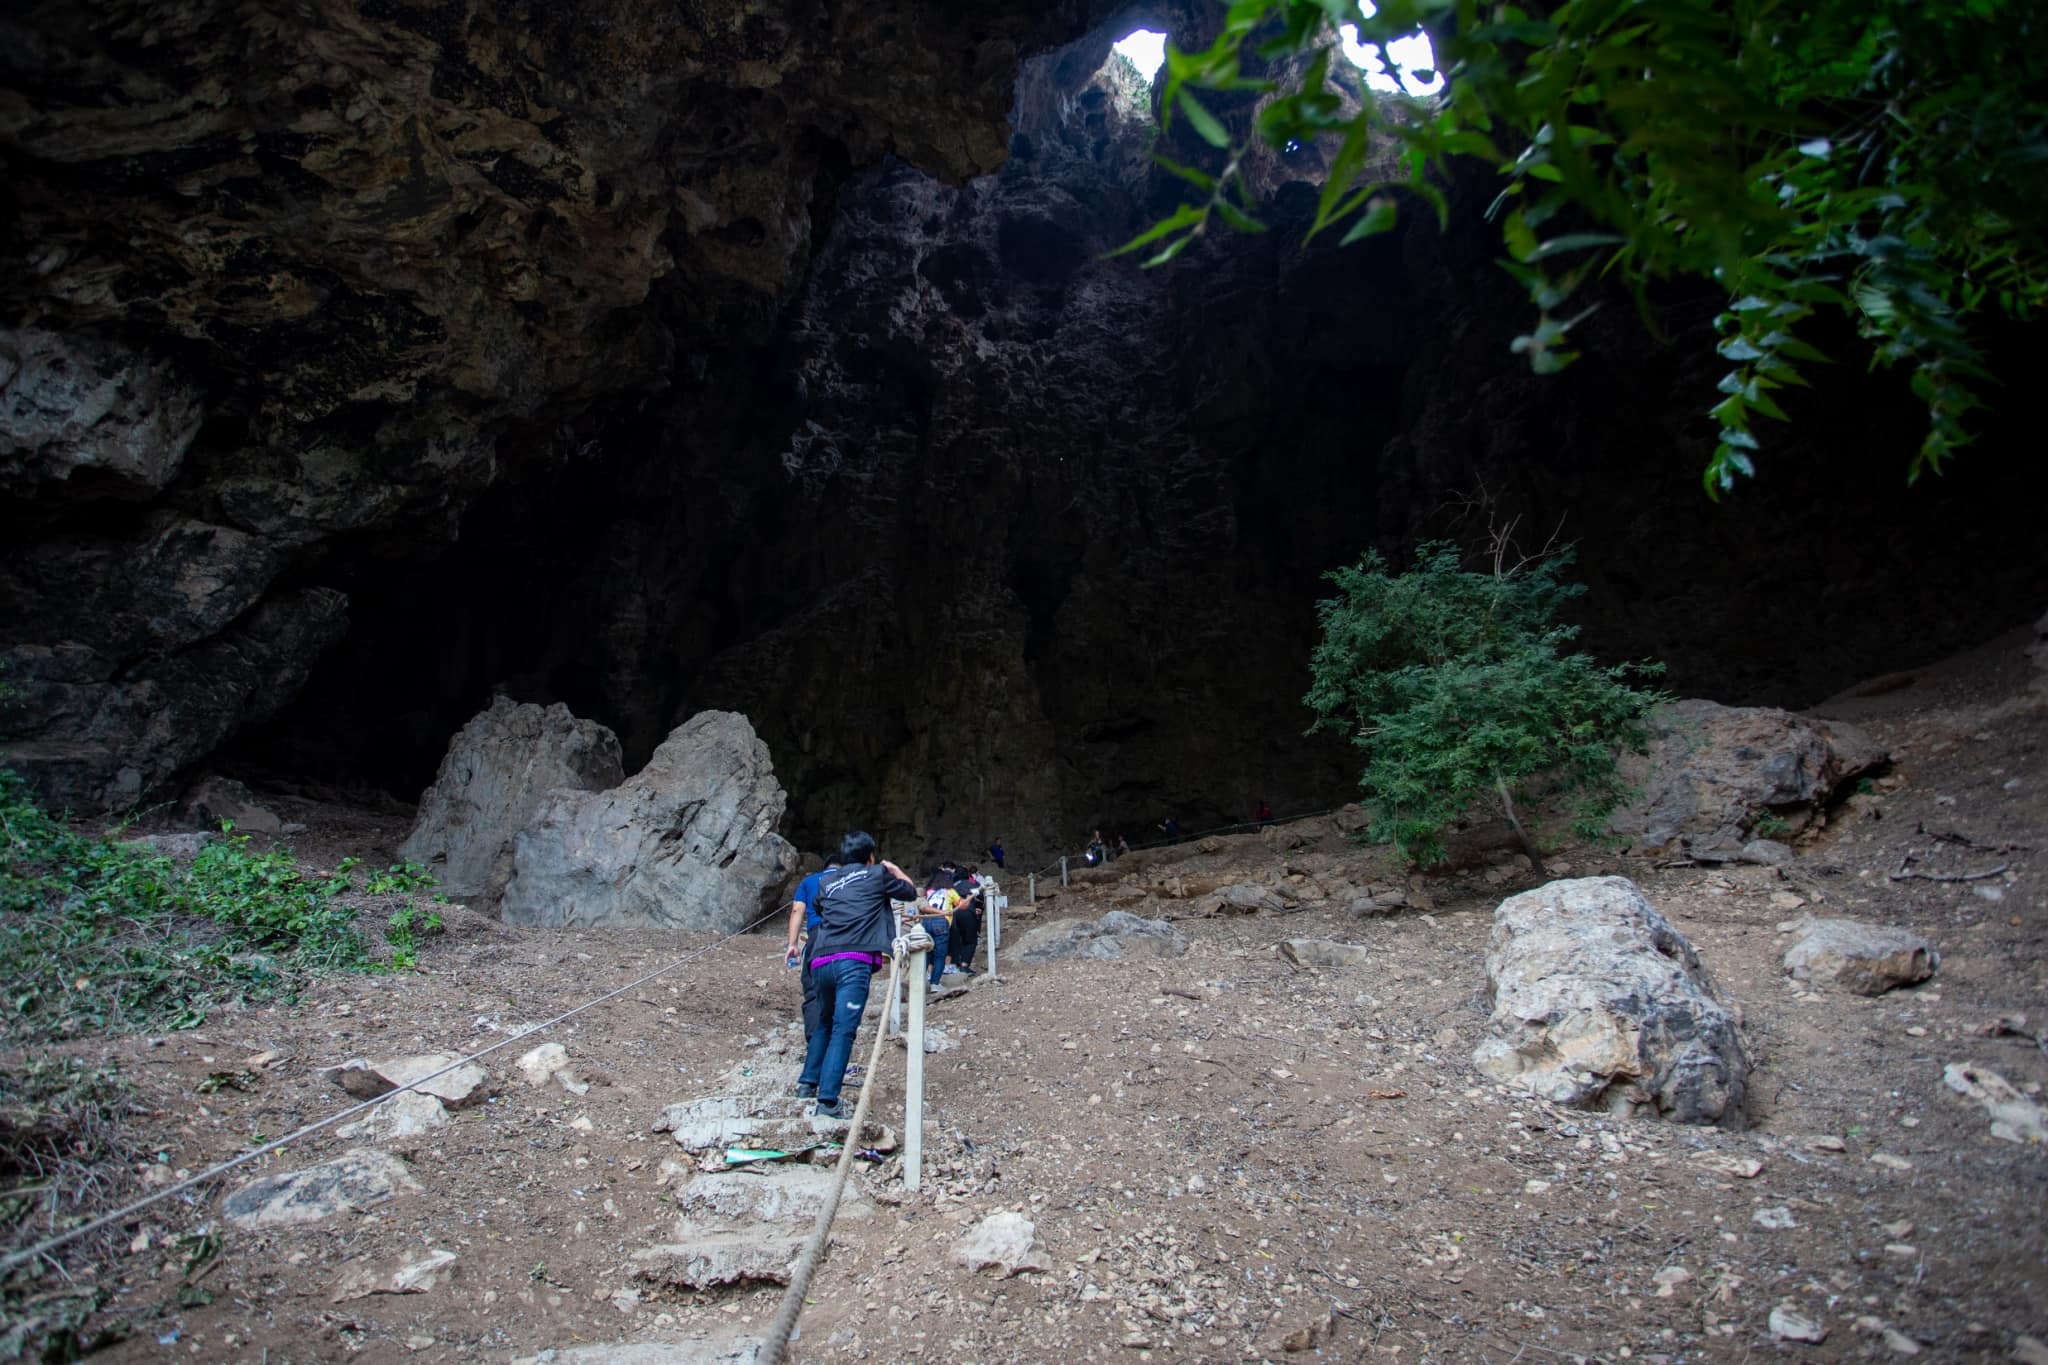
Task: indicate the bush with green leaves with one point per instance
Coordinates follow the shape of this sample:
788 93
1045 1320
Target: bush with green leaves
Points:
1457 687
99 934
1886 160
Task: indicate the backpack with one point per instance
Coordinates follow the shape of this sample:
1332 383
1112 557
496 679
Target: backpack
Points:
935 900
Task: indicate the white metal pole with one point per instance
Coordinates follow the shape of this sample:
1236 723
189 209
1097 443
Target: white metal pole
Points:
1063 871
995 925
1031 890
913 1074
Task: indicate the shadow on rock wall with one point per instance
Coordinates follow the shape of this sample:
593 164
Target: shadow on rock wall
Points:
998 536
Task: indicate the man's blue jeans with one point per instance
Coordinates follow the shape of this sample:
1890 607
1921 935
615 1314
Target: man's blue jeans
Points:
842 997
940 928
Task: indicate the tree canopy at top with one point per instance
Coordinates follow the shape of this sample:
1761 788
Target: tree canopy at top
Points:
1884 159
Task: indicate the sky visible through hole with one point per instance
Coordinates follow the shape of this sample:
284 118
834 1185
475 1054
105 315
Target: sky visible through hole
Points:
1147 50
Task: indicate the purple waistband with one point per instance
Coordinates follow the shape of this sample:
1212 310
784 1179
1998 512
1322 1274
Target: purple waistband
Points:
872 959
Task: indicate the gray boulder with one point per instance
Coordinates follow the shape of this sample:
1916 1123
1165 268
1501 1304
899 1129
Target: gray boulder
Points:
497 770
1117 935
688 842
1868 959
360 1178
222 798
1714 771
1599 1003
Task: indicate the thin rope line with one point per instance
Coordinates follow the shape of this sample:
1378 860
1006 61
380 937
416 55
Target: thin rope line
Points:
43 1248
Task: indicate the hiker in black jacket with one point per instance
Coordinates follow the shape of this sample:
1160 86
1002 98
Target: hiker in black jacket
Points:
856 930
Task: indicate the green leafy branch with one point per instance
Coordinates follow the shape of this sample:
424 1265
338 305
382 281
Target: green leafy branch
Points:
1885 161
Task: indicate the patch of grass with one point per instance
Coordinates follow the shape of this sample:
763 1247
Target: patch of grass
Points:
100 935
1770 825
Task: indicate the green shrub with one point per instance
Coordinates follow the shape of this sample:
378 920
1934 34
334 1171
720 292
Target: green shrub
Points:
95 934
1455 685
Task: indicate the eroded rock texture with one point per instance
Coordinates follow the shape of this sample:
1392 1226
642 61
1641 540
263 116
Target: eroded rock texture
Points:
1599 1003
315 276
689 841
498 769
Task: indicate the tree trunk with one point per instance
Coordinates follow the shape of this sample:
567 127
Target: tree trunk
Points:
1507 804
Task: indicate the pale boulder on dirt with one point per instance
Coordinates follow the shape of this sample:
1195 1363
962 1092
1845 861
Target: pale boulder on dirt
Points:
217 799
399 1118
1868 959
360 1178
2014 1117
1004 1242
1788 1324
407 1275
498 769
1599 1003
1116 935
457 1089
689 842
1714 771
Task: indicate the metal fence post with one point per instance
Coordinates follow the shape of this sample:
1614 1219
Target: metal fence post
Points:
1063 871
913 1074
996 901
1031 891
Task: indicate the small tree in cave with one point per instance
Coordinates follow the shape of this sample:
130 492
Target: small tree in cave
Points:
1456 685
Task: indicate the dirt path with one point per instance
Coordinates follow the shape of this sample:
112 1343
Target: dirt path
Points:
1227 1157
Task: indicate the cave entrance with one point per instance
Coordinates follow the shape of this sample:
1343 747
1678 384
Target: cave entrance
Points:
1144 48
1406 64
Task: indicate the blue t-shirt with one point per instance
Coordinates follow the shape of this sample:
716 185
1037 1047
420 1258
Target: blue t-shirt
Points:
807 892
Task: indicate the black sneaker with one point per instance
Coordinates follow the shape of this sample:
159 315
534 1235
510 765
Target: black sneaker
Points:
805 1091
835 1110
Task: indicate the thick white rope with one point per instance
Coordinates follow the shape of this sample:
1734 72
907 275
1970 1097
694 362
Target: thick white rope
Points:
775 1345
127 1211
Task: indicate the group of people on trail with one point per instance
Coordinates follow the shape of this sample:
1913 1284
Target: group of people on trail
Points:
843 925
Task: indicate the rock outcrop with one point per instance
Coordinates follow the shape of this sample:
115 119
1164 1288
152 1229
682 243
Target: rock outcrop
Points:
1599 1003
1117 935
360 1178
1868 959
313 280
499 768
688 842
1714 772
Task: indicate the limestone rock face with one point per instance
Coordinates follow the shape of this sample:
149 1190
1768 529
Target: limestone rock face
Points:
498 769
688 842
83 414
320 275
1599 1003
1713 771
1868 959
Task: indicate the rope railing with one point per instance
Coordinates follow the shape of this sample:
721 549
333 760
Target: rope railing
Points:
1060 864
214 1172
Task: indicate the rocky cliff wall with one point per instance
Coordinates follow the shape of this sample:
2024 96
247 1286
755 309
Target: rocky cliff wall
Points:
277 284
998 536
984 533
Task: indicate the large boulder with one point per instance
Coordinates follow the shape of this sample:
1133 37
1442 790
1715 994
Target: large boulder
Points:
1713 772
491 783
1599 1003
688 842
1868 959
1117 935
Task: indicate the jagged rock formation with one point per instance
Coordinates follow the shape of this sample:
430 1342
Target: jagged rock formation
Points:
689 841
499 768
316 278
1714 772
